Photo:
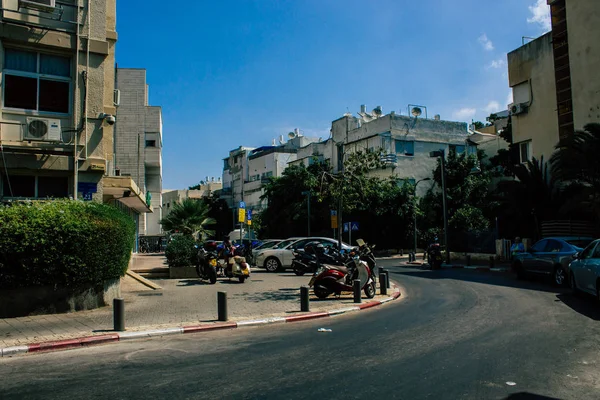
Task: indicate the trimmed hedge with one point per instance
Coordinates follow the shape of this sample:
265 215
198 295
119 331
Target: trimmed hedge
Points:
180 251
63 243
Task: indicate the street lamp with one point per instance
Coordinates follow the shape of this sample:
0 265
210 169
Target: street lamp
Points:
442 155
415 211
307 193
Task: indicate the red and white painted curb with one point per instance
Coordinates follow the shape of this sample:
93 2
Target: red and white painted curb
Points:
120 336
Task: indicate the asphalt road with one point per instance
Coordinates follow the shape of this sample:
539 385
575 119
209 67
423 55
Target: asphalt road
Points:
456 335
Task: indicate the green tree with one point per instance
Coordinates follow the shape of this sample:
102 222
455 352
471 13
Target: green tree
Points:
576 163
189 217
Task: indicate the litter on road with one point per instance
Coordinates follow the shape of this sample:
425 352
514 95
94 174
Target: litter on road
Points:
324 330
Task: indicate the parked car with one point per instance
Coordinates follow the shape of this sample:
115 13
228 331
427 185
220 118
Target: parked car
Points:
585 270
281 255
266 244
550 257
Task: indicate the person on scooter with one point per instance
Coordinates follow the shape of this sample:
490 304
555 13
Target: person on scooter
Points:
434 246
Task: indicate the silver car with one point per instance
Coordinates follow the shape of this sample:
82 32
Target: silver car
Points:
550 257
585 270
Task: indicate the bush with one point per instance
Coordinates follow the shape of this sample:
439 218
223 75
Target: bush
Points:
63 243
180 252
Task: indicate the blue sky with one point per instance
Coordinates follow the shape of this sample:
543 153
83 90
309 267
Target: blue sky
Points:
230 73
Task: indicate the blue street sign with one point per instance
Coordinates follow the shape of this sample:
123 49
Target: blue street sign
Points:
354 226
87 196
333 213
242 204
249 215
87 187
346 227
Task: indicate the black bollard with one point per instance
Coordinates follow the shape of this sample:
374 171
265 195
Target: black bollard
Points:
491 261
119 315
356 287
401 252
382 283
468 260
222 306
304 299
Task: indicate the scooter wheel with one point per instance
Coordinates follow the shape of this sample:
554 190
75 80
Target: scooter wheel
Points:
321 293
370 290
298 272
242 279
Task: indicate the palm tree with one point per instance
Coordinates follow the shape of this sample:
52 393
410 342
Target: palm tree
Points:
189 217
576 162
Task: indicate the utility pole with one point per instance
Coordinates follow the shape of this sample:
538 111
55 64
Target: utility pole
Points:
442 155
307 193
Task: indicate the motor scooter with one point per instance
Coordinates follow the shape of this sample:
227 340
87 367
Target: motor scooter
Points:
232 266
434 256
206 264
336 279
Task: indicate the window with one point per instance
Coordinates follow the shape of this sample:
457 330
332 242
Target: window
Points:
405 148
596 253
458 149
40 187
525 151
150 143
35 81
539 246
588 251
553 246
403 181
267 174
226 165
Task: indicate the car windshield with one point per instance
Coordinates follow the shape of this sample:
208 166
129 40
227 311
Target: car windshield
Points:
284 243
580 243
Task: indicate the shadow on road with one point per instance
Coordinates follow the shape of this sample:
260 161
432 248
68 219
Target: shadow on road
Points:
584 304
529 396
488 278
272 295
193 282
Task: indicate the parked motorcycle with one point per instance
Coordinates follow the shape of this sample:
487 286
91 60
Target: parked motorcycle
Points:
233 266
314 254
206 265
434 256
330 279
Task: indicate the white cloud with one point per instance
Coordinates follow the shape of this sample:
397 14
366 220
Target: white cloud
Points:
464 114
499 63
492 107
540 14
485 42
509 99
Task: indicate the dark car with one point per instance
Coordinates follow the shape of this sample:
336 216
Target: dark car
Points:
550 257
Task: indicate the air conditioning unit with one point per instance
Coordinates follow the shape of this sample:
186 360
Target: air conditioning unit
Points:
41 5
518 108
117 97
43 130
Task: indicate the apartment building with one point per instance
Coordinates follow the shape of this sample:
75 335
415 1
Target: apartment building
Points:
138 143
247 169
405 141
171 197
554 79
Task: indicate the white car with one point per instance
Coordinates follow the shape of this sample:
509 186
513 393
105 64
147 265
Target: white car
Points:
281 255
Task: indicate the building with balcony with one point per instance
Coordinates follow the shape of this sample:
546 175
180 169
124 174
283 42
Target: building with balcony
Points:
138 143
171 197
405 143
554 79
58 103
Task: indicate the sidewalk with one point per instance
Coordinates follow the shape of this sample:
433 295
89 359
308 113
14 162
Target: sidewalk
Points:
180 302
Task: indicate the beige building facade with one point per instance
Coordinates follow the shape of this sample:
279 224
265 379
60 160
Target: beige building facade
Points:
554 79
172 197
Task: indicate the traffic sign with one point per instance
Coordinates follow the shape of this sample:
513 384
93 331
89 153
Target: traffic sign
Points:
346 226
242 204
249 215
354 226
241 215
87 196
334 219
87 187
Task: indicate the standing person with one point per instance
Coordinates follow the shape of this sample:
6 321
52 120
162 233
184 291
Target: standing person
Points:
517 247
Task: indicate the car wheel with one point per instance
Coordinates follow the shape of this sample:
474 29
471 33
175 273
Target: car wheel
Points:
559 276
272 264
573 285
298 272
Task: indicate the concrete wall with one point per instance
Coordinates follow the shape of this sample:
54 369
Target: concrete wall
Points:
584 58
533 65
95 139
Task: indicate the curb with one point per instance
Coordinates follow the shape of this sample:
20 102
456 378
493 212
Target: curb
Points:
471 267
121 336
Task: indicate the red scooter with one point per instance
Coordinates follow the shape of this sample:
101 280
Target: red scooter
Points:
336 279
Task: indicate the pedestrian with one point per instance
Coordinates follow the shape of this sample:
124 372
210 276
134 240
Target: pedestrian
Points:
517 247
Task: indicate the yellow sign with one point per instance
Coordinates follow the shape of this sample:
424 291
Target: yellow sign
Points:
241 215
334 221
249 222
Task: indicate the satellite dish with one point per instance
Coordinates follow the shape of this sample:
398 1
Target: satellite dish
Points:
377 111
291 135
416 111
